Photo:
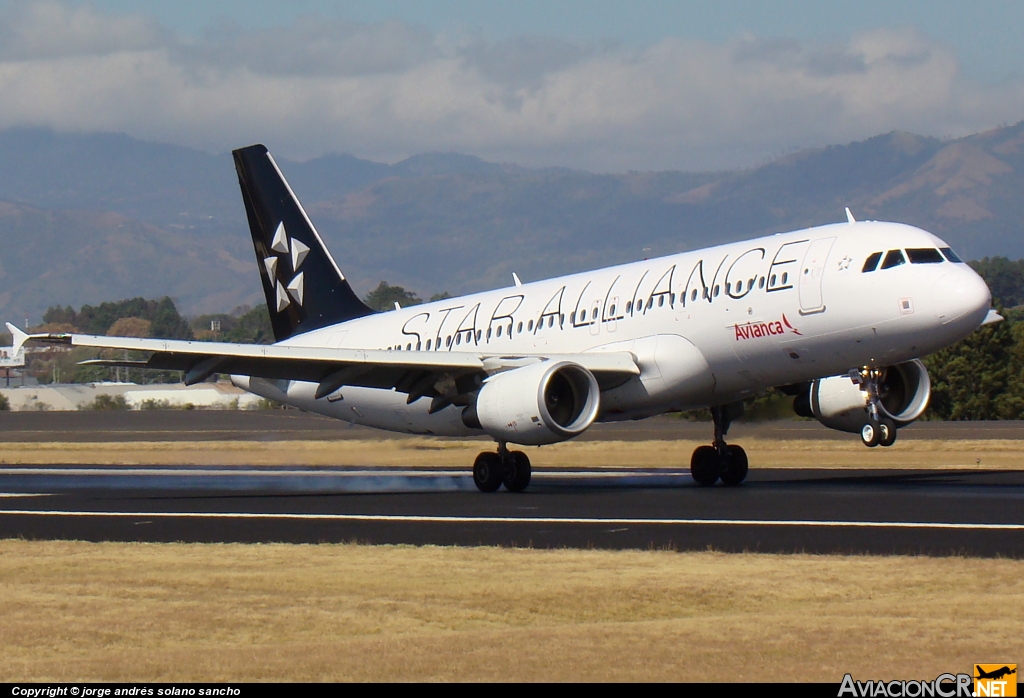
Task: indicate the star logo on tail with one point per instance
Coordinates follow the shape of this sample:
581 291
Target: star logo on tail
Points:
294 253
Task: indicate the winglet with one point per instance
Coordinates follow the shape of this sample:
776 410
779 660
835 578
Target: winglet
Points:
991 318
515 279
849 216
19 338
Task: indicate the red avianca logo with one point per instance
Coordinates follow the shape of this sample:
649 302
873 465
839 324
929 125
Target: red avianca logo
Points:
756 330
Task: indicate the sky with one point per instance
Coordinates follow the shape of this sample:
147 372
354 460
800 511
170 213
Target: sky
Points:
598 85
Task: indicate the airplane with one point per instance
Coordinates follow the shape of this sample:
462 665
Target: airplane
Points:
836 315
995 674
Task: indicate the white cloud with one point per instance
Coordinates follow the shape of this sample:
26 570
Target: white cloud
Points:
389 90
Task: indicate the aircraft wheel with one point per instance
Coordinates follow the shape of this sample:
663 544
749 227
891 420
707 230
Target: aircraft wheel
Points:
517 477
871 433
887 429
705 465
487 472
734 470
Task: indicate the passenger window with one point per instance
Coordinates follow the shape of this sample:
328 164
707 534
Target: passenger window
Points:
925 255
499 329
951 255
661 301
551 320
529 326
871 263
893 258
489 333
519 328
760 282
478 333
693 296
458 339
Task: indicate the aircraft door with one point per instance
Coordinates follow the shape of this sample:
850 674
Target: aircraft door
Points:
612 309
811 274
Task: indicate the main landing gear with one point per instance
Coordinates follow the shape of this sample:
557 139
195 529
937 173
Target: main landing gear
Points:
720 461
509 468
878 430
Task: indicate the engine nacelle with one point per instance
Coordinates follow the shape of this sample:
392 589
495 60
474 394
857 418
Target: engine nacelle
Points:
542 403
839 403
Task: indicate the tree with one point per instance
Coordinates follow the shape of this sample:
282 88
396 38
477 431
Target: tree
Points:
980 377
440 296
1005 279
384 297
130 327
252 328
166 322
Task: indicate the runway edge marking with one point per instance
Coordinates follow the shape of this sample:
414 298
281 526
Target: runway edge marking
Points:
398 518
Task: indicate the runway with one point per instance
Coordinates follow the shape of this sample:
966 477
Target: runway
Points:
971 512
89 426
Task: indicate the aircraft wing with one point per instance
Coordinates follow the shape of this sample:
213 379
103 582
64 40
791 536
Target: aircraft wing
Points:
414 372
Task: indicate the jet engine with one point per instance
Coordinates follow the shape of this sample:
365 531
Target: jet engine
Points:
542 403
840 403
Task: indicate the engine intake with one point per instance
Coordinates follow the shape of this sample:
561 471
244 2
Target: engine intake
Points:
839 403
542 403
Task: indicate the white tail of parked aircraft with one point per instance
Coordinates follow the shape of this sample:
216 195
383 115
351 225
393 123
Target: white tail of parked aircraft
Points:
836 315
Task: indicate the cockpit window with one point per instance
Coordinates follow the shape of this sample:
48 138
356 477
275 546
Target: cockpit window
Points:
924 255
951 255
871 262
893 258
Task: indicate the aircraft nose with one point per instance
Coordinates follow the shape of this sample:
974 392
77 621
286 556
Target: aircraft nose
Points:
961 295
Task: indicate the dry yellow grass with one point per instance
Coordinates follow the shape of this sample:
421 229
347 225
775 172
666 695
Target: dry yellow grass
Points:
149 612
433 452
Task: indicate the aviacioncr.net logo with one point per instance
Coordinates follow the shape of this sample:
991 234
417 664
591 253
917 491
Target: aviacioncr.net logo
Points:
943 686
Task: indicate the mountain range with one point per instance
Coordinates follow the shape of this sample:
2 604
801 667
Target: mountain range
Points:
86 218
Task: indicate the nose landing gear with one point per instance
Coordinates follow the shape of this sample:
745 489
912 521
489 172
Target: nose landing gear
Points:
879 430
720 461
510 468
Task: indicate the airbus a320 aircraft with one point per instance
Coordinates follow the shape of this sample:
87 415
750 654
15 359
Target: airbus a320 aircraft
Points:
836 315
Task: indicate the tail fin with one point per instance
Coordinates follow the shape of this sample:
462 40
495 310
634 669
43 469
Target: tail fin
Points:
304 287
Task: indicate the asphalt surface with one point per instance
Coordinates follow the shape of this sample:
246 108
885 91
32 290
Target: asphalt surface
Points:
277 425
973 512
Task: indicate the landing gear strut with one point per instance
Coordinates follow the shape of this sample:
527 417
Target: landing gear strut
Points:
878 430
720 461
510 468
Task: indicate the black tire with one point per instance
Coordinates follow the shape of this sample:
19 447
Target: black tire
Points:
871 433
887 436
734 470
705 465
487 472
517 477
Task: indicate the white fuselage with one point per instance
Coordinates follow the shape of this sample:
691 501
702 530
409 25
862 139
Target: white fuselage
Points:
707 327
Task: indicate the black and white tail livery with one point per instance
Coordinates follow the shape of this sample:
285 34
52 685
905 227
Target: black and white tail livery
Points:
304 287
